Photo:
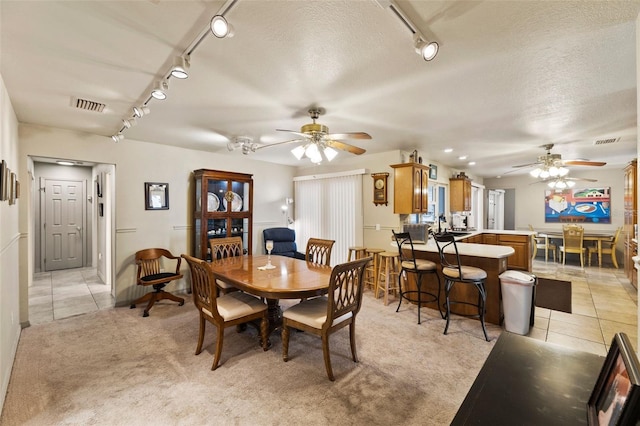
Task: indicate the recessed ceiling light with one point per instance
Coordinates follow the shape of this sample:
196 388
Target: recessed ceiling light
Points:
447 150
472 163
65 163
462 157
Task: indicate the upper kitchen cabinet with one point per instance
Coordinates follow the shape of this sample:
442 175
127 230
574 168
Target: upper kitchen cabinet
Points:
460 194
410 182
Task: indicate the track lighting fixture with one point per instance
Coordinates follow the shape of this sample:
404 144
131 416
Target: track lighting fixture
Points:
428 50
160 90
141 111
220 27
180 66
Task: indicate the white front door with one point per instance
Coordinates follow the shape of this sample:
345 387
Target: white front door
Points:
63 227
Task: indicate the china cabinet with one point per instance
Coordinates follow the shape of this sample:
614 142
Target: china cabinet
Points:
410 183
460 194
223 207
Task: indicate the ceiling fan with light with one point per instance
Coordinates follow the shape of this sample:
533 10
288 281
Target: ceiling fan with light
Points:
318 143
550 166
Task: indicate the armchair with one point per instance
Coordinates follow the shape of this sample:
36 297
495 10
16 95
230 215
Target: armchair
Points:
284 242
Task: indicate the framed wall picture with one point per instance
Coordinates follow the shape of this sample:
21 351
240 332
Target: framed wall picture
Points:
3 180
156 196
433 171
615 396
12 189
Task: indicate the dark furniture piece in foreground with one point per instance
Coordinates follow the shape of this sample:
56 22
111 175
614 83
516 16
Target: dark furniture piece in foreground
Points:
525 381
150 266
284 242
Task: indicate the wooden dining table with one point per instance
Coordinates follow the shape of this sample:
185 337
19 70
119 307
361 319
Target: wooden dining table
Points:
597 236
289 279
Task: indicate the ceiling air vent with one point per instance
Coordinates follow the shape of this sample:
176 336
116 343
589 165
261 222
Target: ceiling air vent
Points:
606 141
87 105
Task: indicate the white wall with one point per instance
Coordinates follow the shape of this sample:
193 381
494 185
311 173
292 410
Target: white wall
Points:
138 162
11 242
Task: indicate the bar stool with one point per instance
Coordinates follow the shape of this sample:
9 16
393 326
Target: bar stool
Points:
388 274
455 272
419 267
357 252
371 272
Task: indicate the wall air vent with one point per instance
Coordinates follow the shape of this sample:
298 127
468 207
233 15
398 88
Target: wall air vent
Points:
606 141
87 105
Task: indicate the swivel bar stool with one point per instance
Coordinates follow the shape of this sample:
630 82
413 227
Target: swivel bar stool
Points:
454 272
410 265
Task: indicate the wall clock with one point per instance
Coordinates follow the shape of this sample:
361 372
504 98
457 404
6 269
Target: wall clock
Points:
380 188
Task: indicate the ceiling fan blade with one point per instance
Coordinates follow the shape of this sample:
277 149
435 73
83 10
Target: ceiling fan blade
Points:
280 143
345 147
525 165
583 163
582 179
349 135
304 135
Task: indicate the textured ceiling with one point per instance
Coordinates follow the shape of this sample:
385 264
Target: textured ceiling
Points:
510 76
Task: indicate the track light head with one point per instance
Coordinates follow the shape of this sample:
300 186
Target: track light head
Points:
220 27
117 137
428 51
129 123
141 111
180 67
160 89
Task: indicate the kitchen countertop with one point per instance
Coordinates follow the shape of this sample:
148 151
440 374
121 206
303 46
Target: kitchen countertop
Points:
470 249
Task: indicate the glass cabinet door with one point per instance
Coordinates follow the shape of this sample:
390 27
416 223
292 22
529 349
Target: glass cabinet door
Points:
216 190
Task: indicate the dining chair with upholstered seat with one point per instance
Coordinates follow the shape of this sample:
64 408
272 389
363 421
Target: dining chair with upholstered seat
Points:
418 267
455 272
151 267
224 311
325 315
572 240
542 243
608 247
222 248
319 251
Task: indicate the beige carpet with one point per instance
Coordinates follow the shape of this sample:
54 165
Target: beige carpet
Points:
113 367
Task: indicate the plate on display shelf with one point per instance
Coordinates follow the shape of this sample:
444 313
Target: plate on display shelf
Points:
213 202
236 204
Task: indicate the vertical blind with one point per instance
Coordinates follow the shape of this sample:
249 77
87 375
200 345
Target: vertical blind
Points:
329 207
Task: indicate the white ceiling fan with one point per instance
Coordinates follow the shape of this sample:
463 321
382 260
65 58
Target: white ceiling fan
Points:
318 143
552 165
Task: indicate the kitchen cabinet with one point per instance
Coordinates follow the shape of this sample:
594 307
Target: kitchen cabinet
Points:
460 194
521 244
630 219
410 183
223 207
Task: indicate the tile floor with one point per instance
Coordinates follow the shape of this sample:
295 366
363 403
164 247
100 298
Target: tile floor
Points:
62 294
604 302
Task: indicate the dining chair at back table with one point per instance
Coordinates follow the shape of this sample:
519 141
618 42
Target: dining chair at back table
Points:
607 247
572 242
542 242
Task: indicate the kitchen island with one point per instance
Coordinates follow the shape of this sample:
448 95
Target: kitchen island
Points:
491 258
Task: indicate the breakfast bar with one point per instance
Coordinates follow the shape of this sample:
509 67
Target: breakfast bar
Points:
491 258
